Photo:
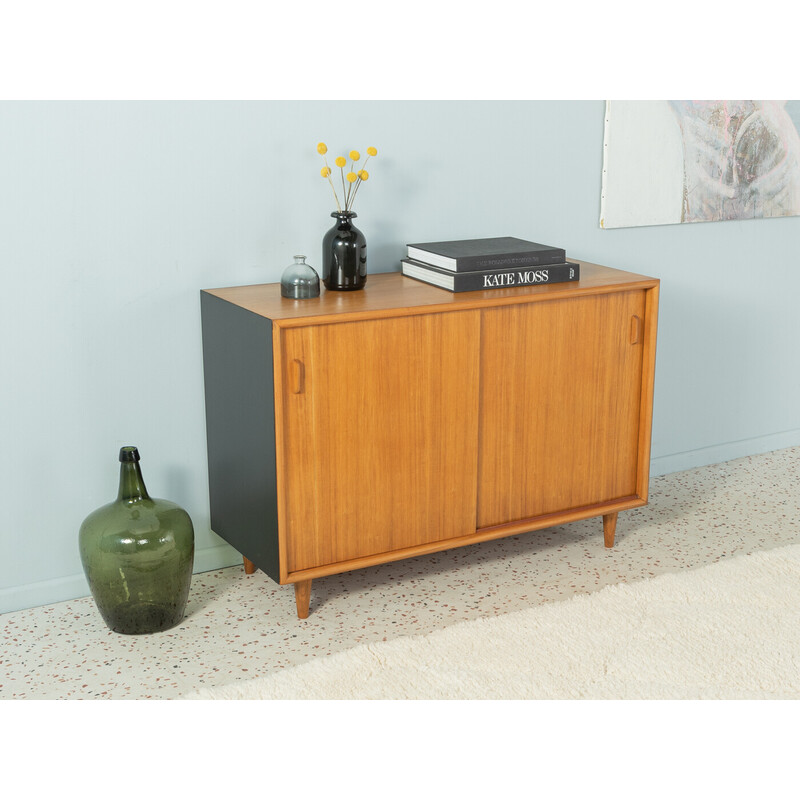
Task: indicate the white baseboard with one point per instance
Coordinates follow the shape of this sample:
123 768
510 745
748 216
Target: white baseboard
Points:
703 457
57 590
43 593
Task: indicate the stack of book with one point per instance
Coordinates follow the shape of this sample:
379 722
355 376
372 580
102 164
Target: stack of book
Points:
469 265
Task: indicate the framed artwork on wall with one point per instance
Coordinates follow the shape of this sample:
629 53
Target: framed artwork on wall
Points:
667 162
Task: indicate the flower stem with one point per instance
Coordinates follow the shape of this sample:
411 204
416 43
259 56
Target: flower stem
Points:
355 191
328 176
358 183
335 196
349 201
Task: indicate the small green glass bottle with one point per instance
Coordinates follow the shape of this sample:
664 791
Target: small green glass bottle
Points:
138 554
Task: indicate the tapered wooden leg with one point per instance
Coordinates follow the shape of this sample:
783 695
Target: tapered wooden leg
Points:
609 528
249 566
302 596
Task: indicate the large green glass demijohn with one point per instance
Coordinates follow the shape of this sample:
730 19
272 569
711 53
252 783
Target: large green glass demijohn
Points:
138 554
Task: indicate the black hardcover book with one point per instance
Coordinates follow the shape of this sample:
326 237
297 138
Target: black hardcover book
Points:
491 278
477 254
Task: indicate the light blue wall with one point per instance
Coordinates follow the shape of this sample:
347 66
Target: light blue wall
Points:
114 215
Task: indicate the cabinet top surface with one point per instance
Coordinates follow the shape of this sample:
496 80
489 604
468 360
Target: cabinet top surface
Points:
392 294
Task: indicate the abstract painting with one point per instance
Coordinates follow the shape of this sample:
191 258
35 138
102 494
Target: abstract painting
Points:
678 161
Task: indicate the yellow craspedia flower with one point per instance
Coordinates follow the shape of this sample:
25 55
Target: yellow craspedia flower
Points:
372 151
325 171
340 161
322 148
363 175
351 176
354 155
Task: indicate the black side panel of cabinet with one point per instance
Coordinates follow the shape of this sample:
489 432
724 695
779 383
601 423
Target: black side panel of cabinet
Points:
240 430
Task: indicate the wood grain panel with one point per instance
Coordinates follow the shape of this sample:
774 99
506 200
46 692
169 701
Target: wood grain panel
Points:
379 446
560 403
392 294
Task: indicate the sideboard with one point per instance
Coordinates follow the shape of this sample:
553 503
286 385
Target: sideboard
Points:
357 428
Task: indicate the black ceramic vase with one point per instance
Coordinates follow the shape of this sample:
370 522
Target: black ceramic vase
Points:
344 255
138 553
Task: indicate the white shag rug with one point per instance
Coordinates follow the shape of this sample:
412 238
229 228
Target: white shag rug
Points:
730 630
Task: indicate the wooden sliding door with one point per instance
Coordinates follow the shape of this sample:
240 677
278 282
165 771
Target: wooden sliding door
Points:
561 385
380 432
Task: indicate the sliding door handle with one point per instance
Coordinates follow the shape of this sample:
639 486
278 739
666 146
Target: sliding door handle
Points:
298 376
636 329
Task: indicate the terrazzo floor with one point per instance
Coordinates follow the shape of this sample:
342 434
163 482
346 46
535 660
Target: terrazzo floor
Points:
241 626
